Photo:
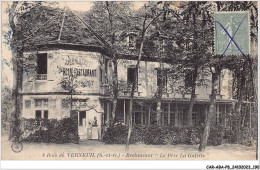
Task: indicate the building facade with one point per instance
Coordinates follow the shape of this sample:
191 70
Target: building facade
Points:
66 79
70 72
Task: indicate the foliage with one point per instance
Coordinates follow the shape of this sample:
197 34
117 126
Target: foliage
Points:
6 108
155 135
116 134
50 130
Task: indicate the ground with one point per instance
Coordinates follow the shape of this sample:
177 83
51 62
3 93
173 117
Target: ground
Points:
94 150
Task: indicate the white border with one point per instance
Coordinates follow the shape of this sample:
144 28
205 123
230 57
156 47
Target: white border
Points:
119 164
123 164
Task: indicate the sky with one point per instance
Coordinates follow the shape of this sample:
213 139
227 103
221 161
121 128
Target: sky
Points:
86 5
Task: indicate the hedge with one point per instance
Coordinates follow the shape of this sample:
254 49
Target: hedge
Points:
155 135
50 130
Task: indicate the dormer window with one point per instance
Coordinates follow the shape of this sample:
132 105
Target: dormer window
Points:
41 68
132 40
163 43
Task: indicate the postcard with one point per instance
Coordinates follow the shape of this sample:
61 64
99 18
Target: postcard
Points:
129 80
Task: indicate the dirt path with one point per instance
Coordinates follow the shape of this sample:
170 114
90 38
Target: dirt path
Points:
93 150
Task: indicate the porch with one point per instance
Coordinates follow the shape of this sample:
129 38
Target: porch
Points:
173 112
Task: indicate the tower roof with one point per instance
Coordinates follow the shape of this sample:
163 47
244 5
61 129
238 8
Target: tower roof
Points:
59 27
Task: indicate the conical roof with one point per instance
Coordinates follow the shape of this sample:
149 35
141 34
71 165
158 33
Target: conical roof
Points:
58 27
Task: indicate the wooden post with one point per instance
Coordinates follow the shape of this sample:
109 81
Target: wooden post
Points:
78 118
169 113
250 117
124 111
217 113
103 114
142 116
176 116
225 116
149 116
133 117
162 117
108 111
145 117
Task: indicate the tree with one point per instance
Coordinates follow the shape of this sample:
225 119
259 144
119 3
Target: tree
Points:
218 63
215 70
109 19
20 31
148 15
195 41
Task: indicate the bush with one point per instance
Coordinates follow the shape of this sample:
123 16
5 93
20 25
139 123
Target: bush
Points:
116 134
155 135
215 137
51 130
246 137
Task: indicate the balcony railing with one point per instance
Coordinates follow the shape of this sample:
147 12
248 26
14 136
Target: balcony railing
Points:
41 76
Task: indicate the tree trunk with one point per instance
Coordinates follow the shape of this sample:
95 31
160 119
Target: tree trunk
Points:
132 95
115 92
192 98
255 78
240 99
159 118
136 72
212 110
129 123
17 55
159 112
17 87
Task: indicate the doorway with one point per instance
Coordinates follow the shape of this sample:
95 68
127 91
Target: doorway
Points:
82 118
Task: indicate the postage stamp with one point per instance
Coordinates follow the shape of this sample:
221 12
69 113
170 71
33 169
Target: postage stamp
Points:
232 33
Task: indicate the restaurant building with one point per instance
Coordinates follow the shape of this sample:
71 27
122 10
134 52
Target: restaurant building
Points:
71 75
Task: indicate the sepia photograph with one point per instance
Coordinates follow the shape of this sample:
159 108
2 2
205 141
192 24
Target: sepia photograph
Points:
129 80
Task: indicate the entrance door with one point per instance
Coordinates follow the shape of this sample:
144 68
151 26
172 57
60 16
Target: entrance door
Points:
82 125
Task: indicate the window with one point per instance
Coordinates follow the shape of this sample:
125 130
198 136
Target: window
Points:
52 102
138 118
38 103
41 68
172 118
27 103
164 108
196 119
131 78
45 114
65 103
38 114
41 103
172 113
188 80
163 45
162 80
165 118
131 41
45 102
